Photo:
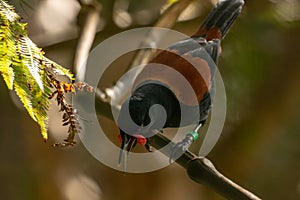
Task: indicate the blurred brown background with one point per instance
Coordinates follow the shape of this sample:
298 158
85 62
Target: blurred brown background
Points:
259 147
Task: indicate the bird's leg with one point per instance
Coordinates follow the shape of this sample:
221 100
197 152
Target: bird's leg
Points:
182 146
213 48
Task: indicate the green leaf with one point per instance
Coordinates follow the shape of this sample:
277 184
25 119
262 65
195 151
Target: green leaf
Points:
28 52
7 50
25 68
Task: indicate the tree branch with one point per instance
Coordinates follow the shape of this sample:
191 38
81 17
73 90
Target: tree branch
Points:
87 34
200 169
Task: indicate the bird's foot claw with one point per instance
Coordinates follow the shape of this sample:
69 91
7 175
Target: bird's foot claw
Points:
178 150
182 146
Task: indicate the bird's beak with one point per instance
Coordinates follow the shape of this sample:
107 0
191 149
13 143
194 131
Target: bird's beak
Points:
128 142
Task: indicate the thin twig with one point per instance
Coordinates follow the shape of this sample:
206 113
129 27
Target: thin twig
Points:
87 35
166 20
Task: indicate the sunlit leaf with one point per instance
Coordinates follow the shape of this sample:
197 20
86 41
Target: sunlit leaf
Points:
26 70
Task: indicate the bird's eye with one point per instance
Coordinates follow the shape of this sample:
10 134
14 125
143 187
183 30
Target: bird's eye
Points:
136 98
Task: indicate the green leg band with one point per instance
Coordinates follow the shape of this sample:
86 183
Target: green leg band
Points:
195 135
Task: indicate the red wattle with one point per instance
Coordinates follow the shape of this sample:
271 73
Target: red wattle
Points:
141 140
120 138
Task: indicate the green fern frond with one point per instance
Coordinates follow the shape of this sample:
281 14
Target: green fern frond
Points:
57 69
25 68
8 11
28 51
7 51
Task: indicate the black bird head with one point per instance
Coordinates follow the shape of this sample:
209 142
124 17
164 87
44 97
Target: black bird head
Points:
148 109
139 105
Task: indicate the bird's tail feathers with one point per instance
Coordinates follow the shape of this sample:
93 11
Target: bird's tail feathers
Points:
220 19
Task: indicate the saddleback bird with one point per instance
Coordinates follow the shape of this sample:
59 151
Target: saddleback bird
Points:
161 96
